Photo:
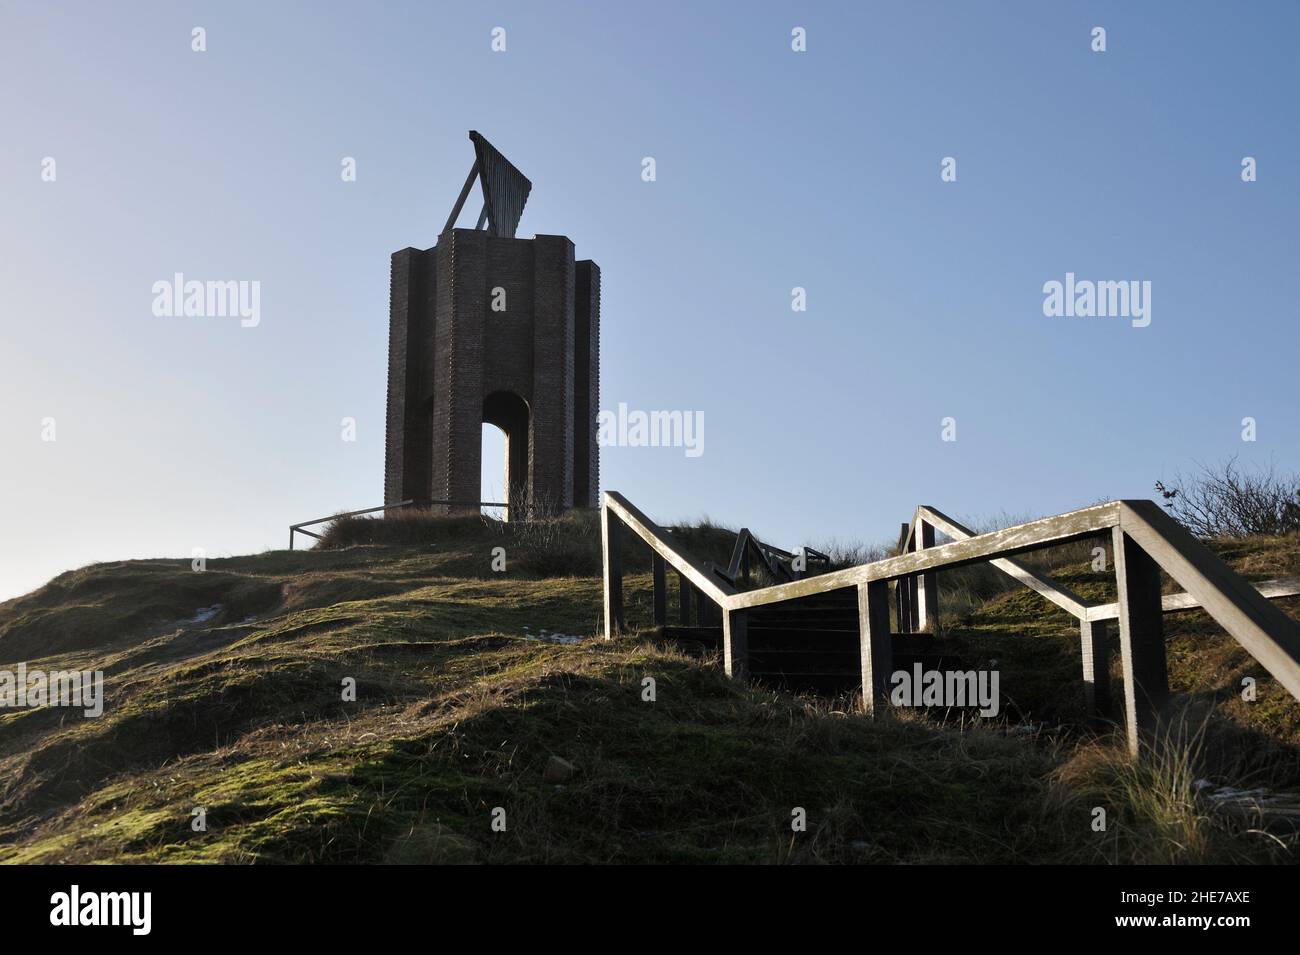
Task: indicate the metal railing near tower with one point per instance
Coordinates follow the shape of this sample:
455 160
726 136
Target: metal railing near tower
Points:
1145 541
299 528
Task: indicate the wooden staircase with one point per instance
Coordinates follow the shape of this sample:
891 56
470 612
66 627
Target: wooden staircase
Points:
812 644
838 629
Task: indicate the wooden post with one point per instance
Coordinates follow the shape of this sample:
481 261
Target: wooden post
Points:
735 643
464 194
659 570
684 600
874 639
913 604
902 589
1141 640
1095 644
610 542
715 613
902 598
926 607
701 611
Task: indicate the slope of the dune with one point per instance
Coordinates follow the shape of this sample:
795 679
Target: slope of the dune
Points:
489 724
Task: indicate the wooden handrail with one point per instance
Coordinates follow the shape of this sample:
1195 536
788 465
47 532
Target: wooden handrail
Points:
1060 595
770 556
1071 602
1033 535
1176 603
654 535
1269 635
1145 541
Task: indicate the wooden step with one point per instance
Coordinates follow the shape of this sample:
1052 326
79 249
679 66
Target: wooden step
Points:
841 664
825 616
782 640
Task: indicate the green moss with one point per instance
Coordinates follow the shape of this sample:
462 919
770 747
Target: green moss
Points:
459 707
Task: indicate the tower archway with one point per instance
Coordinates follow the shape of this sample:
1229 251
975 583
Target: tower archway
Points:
509 412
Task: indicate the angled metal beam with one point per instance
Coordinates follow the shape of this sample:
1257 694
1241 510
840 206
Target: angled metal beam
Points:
460 200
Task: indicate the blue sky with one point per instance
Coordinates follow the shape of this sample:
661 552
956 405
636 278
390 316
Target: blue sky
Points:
775 169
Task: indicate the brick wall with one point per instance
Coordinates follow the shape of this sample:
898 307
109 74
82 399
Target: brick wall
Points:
448 352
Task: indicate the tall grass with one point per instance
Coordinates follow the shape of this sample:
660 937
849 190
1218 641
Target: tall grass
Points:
562 545
1155 808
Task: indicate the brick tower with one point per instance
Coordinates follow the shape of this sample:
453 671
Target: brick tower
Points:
488 328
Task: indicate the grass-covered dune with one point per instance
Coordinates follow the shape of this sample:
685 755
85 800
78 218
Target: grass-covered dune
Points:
483 695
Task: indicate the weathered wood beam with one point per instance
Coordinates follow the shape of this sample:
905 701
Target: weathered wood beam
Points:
913 596
925 606
905 589
1095 646
1086 522
903 605
1174 603
653 535
875 644
660 577
1141 641
1146 540
738 553
1057 593
735 643
610 543
1269 635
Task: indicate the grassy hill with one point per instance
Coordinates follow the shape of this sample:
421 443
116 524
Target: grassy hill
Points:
477 690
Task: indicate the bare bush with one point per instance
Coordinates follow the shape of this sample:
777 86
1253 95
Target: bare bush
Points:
1227 501
851 553
563 544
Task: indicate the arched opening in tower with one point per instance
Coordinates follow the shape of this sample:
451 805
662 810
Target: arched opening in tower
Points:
492 486
505 475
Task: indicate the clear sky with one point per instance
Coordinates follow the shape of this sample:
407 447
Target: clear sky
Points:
775 169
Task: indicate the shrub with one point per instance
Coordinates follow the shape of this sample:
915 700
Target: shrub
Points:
561 545
1225 501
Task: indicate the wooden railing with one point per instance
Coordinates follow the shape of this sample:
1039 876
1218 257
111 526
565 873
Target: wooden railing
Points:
781 565
1145 540
1095 637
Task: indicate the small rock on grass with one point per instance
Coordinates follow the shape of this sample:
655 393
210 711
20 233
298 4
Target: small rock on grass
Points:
558 770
